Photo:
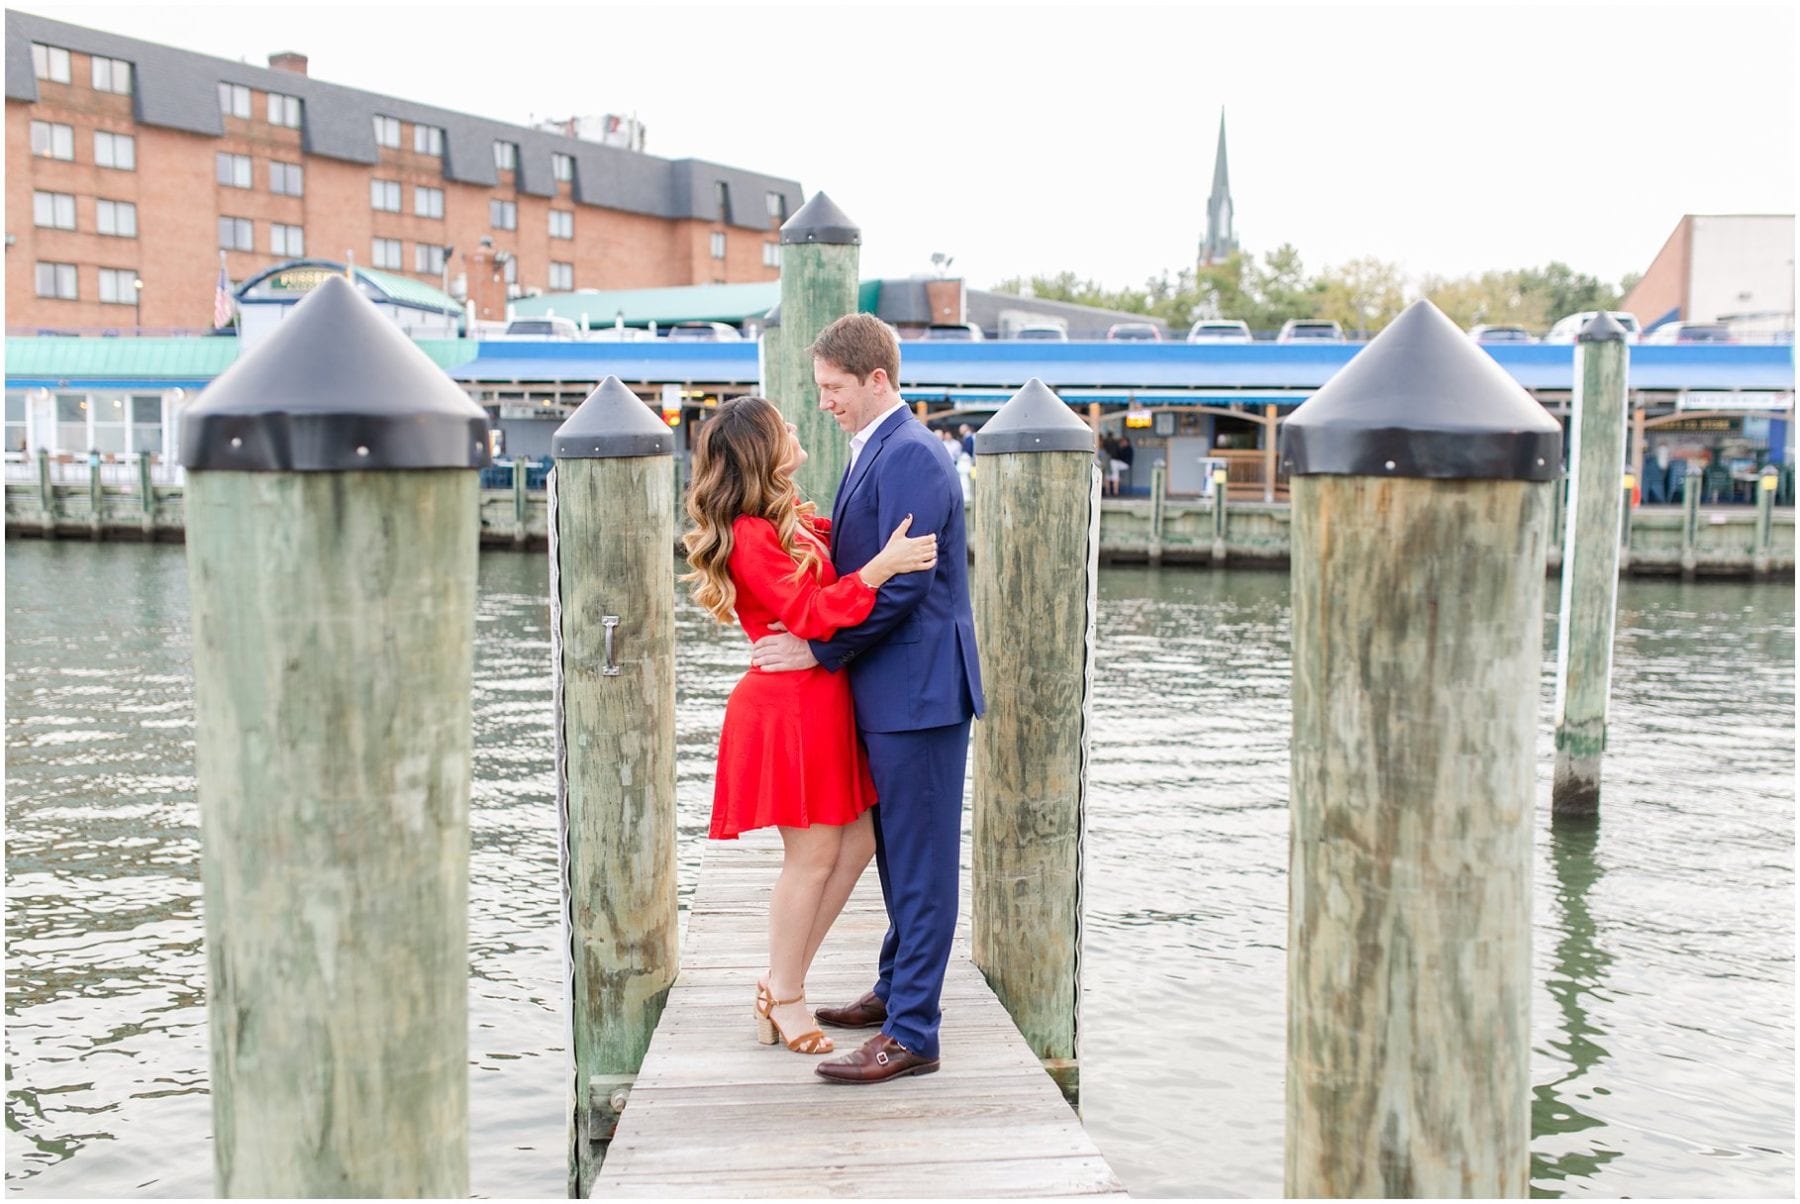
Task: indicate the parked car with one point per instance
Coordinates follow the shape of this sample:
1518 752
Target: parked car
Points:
619 334
1690 332
1565 329
1310 330
704 332
1501 334
1042 332
1219 330
1134 332
541 328
953 332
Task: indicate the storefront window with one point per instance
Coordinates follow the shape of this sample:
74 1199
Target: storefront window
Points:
15 422
71 422
110 423
146 424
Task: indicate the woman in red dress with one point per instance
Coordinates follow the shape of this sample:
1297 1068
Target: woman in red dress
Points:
788 752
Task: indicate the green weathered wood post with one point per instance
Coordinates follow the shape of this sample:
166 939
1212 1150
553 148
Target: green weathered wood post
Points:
1159 493
147 495
820 252
1557 513
331 540
1766 484
612 598
1421 478
46 494
521 498
1037 515
96 496
1220 514
1690 524
1598 506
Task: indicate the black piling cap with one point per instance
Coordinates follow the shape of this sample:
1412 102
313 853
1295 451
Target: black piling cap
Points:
1035 420
1601 328
1422 400
611 423
337 387
820 221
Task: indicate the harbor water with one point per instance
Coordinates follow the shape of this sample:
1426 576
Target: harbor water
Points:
1662 1021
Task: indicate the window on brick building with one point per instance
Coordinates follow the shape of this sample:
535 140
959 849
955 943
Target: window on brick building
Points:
777 206
118 286
562 166
722 197
237 234
428 140
503 215
718 244
562 224
118 151
509 268
562 276
428 202
287 179
233 171
234 100
284 110
286 240
384 195
117 218
112 75
771 254
387 131
506 156
56 280
50 62
428 258
386 253
53 210
52 140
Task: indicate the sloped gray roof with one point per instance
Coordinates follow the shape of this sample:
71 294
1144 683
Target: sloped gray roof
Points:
178 89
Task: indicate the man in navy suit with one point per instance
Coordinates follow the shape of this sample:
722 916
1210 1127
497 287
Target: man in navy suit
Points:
916 682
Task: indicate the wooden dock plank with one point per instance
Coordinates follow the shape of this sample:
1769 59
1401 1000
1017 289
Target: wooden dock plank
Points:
715 1114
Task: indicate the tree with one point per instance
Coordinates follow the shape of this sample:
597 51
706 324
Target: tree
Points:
1362 296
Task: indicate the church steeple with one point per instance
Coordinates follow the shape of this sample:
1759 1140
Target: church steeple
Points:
1221 240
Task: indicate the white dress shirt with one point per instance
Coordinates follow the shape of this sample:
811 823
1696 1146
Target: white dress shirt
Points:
861 438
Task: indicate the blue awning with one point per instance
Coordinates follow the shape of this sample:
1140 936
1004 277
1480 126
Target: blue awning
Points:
1122 370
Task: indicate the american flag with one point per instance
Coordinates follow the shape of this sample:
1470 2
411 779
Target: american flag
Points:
222 298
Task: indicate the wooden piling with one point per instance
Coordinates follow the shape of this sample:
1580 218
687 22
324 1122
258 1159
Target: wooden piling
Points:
820 253
1766 484
1420 481
1159 492
96 496
331 541
1690 524
146 495
1598 509
46 494
1627 485
521 498
1220 514
1037 516
612 524
1558 511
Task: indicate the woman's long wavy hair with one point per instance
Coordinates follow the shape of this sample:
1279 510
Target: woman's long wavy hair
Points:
738 455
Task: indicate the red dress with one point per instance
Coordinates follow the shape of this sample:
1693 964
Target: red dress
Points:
788 752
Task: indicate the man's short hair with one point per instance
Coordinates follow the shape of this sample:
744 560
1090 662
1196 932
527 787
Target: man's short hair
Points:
859 344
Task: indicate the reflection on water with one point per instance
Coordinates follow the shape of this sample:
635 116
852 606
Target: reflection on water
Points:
1662 1026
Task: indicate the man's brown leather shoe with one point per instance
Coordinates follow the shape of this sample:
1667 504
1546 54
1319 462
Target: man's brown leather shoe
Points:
878 1059
867 1012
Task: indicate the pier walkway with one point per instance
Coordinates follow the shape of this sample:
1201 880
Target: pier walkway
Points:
715 1114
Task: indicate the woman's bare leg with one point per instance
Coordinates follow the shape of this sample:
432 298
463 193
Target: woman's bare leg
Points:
809 856
854 852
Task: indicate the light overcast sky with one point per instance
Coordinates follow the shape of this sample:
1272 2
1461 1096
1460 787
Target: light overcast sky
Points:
1021 139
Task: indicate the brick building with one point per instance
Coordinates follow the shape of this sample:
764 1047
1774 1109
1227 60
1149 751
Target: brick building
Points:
131 166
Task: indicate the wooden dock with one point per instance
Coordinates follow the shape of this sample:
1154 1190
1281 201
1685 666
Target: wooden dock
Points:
715 1114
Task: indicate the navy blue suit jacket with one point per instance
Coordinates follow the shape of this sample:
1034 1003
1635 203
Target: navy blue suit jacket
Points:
912 662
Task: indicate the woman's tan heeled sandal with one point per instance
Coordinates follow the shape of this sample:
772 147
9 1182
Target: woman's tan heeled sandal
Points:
769 1031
